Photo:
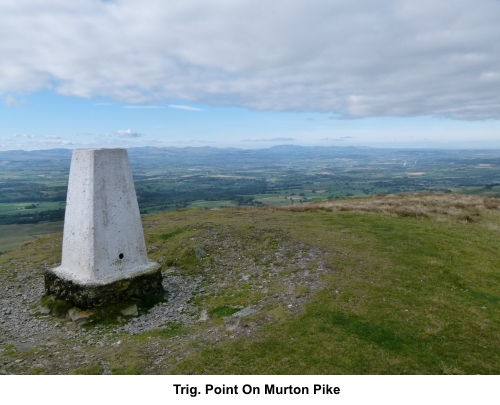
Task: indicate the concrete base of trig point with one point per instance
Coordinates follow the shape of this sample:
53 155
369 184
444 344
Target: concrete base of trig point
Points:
104 258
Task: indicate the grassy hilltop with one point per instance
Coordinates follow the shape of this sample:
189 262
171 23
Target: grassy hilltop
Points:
396 284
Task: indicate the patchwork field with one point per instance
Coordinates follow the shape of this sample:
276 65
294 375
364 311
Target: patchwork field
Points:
33 184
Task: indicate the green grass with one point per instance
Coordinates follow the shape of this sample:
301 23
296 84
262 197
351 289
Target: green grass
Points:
58 307
211 204
401 293
165 236
95 369
415 296
13 236
167 331
222 311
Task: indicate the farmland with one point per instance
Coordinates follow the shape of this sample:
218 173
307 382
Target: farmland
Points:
33 184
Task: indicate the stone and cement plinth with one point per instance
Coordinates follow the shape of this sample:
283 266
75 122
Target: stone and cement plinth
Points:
104 256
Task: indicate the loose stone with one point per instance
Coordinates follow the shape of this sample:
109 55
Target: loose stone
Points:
130 311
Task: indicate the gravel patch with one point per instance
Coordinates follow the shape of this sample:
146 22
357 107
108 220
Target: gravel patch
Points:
177 310
274 271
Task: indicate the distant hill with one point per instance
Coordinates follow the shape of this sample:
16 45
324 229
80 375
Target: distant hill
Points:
36 154
279 151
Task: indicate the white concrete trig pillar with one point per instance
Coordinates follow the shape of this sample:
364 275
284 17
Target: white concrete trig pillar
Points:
104 255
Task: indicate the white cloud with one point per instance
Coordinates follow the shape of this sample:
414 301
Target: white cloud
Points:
12 102
143 106
351 58
128 133
23 136
185 107
33 142
52 143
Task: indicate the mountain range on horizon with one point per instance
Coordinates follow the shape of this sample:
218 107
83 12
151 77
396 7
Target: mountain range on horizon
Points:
210 151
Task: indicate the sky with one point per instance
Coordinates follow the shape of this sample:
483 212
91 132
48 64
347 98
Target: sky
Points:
249 73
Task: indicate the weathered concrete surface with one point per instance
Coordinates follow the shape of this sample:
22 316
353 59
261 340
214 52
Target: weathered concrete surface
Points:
103 239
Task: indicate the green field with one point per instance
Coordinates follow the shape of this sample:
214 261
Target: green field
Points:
25 207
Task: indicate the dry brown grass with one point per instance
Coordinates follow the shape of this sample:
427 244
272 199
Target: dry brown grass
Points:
466 208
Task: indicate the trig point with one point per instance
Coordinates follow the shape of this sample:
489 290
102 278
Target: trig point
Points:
104 256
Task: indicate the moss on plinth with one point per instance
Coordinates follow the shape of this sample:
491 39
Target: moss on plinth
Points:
86 296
